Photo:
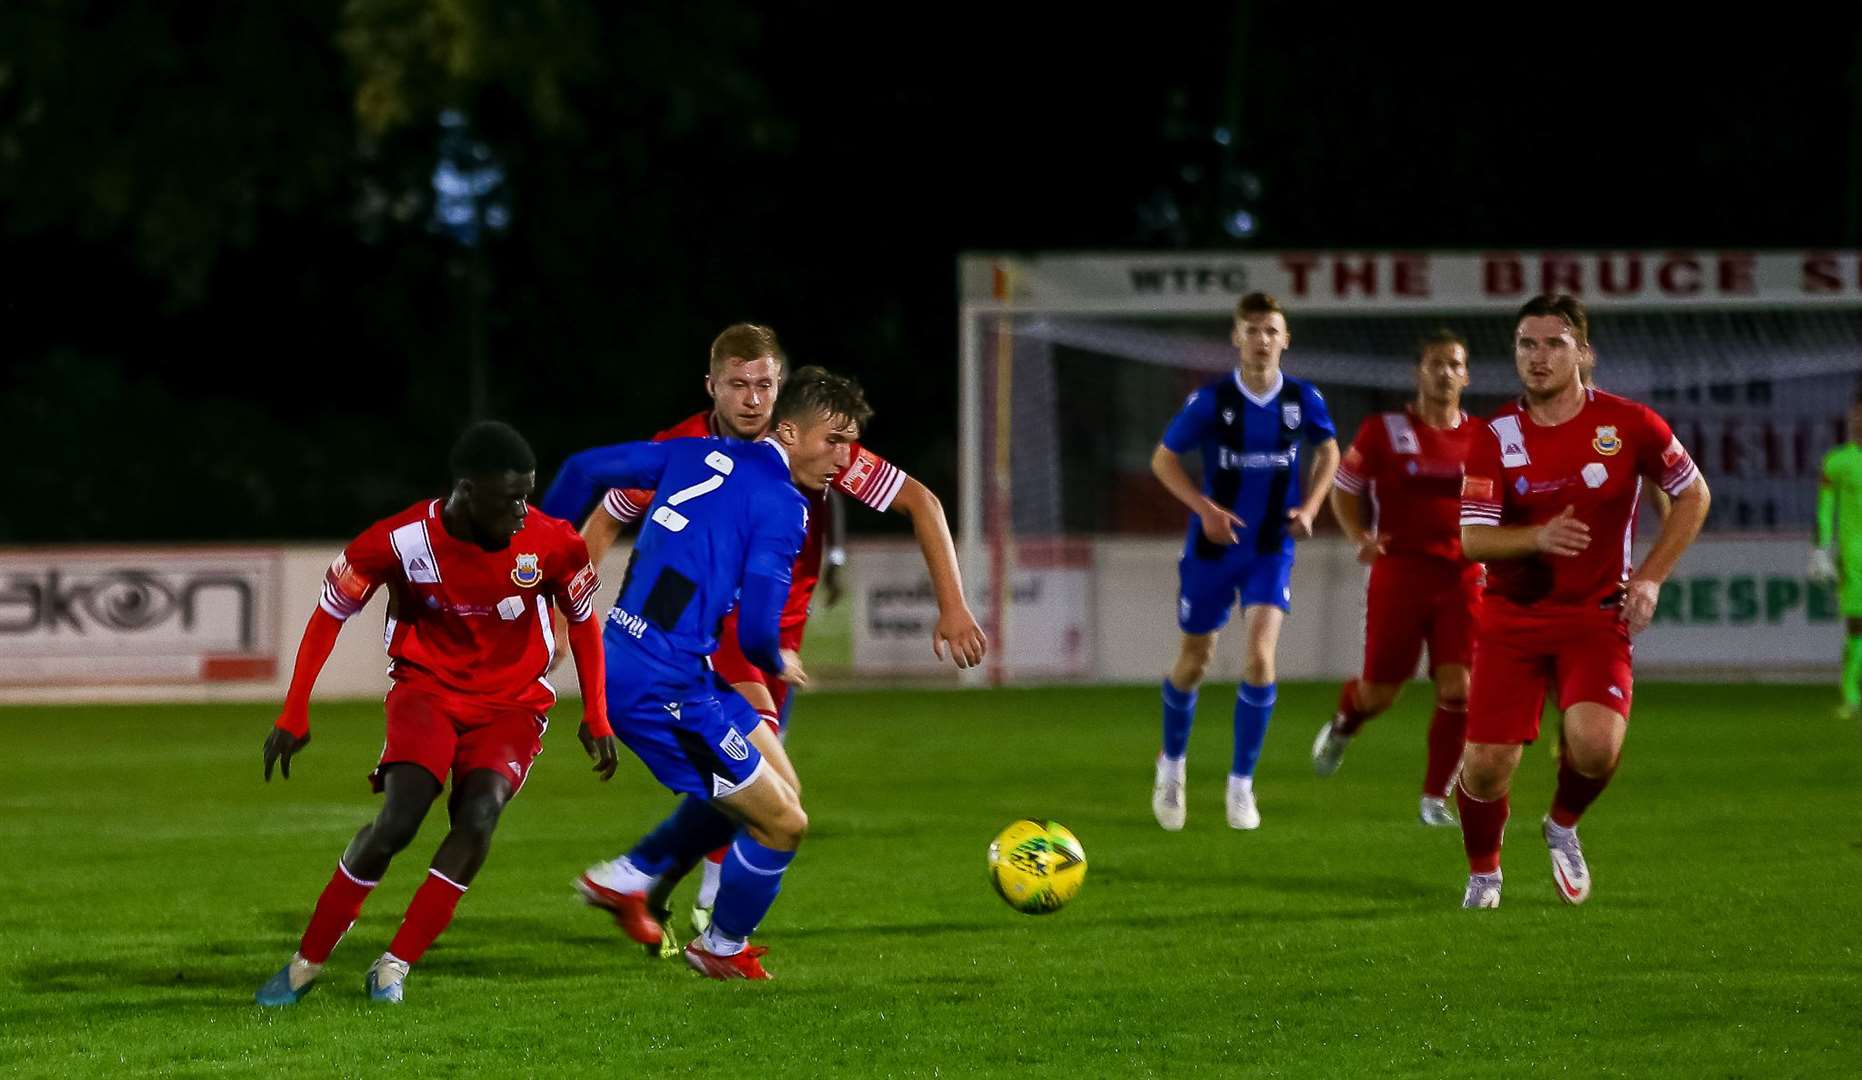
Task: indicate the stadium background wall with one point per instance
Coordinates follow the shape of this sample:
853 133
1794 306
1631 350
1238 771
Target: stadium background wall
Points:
1092 609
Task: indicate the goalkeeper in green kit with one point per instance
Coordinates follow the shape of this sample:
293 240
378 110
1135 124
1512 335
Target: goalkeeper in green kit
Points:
1837 558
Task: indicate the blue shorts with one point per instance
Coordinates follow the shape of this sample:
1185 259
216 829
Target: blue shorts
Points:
691 733
1208 587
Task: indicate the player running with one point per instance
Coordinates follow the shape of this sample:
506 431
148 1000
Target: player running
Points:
727 520
1250 426
1407 466
747 368
1549 504
1837 558
470 579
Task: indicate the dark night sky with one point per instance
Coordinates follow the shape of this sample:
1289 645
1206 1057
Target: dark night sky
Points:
310 379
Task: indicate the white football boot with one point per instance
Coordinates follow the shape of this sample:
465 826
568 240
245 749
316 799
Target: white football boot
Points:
1483 891
1434 811
385 978
1242 813
1570 873
1167 802
1328 750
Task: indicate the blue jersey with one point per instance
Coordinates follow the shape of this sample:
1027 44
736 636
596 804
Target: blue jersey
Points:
726 520
1251 455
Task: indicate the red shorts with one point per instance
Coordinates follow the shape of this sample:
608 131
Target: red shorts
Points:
1521 654
1413 599
733 667
444 733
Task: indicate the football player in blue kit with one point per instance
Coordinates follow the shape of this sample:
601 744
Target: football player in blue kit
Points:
1251 427
724 527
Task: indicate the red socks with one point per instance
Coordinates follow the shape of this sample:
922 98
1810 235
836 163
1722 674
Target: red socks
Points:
1483 828
1575 793
1349 717
1448 730
336 912
430 912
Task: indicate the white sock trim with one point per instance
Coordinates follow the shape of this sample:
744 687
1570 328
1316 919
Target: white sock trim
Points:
738 854
447 880
352 877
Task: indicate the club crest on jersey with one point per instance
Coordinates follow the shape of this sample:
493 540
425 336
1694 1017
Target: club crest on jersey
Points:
1606 442
734 746
1290 414
528 573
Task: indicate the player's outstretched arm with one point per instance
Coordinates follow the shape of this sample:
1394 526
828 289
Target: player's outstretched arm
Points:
1678 530
1219 524
956 627
599 533
624 465
290 733
1318 485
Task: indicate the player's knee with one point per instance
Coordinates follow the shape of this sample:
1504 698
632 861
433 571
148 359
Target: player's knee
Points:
1485 771
392 831
788 828
1259 668
478 818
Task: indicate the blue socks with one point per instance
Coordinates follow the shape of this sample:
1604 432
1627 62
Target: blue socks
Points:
1254 705
752 878
694 829
1179 714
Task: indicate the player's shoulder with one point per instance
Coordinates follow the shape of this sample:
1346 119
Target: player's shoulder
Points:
1606 404
1305 388
542 528
695 426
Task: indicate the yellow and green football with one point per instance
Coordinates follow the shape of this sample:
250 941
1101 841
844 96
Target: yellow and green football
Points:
1036 866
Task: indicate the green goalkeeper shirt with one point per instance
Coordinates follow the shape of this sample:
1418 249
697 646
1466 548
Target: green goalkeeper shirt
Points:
1839 502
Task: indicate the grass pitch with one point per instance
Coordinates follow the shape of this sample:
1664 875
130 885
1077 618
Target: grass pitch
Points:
150 882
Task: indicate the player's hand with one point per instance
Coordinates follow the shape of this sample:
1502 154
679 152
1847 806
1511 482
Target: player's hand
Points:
602 751
1638 607
279 746
1299 522
1219 524
1370 545
966 640
1822 566
792 671
1564 535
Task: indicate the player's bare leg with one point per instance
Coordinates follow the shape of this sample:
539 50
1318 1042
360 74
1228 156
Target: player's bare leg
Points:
1254 706
774 825
1593 745
1358 701
1486 777
408 792
1448 729
477 802
1180 686
764 702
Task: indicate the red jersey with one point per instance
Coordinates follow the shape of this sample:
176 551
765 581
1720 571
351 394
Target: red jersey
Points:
1412 472
463 620
867 478
1520 473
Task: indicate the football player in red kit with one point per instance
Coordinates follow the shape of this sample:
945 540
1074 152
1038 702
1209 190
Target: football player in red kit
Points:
1405 468
470 580
1549 504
